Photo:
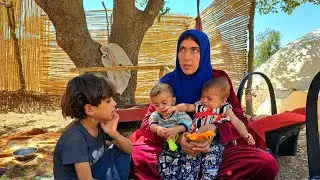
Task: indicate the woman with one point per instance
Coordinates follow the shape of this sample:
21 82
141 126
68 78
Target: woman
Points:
193 69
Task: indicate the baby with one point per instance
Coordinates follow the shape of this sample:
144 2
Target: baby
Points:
167 125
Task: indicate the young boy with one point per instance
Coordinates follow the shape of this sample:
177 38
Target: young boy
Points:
81 151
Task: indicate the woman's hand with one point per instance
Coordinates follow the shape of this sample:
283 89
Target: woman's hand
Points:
203 146
110 127
186 146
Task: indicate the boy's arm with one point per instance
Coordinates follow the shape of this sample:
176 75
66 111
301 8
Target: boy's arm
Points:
122 142
238 124
83 171
110 127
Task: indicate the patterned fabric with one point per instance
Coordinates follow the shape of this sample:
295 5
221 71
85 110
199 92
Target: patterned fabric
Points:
170 163
204 115
209 162
180 118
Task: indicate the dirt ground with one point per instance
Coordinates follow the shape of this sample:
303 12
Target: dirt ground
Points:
51 121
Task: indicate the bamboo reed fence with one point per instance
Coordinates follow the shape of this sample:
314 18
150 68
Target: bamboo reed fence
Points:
226 23
30 30
46 67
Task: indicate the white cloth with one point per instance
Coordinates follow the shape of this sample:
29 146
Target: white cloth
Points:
114 55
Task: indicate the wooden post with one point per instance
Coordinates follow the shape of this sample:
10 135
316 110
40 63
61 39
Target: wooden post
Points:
161 72
163 69
13 35
81 71
166 69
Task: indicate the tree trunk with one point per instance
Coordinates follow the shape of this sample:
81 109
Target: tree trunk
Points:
128 29
248 93
72 34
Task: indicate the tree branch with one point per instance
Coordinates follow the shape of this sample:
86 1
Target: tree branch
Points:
152 10
108 24
122 7
5 5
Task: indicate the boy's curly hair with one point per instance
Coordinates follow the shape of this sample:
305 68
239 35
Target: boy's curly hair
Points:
85 89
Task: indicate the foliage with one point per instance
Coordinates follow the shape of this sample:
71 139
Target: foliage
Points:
287 6
163 11
268 44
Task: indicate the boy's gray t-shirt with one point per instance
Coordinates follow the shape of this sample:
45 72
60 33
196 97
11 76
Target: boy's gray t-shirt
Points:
77 145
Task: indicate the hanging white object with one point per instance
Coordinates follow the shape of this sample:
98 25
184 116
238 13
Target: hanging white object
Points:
114 55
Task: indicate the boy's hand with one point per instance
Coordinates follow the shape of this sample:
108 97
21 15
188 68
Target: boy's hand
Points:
250 139
110 127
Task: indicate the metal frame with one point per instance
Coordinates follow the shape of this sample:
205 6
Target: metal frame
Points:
312 128
281 141
270 87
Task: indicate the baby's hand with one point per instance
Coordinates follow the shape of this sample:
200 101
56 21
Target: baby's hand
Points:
170 132
172 109
250 140
161 131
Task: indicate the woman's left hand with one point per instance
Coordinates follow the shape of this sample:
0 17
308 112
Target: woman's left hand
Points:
110 127
204 146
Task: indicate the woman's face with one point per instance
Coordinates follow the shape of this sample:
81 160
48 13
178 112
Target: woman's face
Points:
189 56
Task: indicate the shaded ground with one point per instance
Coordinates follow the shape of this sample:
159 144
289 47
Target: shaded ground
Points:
26 101
12 123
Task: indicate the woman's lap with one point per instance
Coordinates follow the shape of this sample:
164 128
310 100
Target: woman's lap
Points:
145 161
238 162
244 162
